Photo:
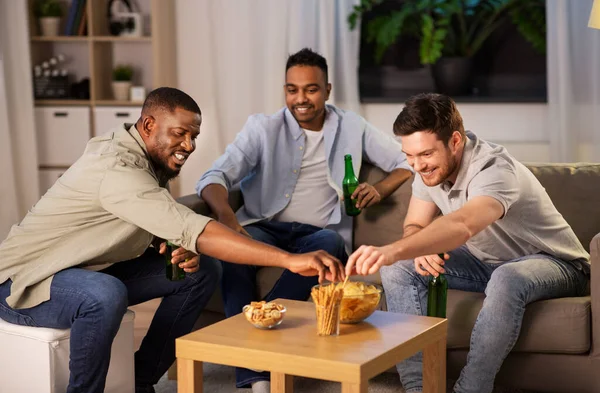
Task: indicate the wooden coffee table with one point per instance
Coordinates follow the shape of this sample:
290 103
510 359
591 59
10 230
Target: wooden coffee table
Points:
361 351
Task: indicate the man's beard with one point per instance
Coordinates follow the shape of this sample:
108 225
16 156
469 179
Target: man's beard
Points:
445 172
163 172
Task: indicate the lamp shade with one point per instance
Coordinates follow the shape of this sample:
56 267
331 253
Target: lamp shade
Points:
595 15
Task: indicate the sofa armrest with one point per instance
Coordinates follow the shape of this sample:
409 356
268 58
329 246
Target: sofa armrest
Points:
194 202
595 291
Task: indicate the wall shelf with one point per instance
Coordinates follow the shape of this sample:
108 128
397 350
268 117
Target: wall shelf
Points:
93 56
116 103
60 39
111 38
62 102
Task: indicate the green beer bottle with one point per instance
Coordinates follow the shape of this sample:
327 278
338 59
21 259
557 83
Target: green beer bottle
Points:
437 295
174 272
349 184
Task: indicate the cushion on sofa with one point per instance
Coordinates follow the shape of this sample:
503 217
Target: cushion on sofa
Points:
549 326
574 190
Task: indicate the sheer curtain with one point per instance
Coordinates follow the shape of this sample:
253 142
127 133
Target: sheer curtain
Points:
573 82
19 188
231 58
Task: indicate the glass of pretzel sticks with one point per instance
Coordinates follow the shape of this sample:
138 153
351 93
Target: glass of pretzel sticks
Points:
327 299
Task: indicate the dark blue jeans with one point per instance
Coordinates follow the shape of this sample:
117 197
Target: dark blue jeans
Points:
92 304
239 281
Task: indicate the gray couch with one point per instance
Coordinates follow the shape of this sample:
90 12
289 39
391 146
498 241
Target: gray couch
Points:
556 351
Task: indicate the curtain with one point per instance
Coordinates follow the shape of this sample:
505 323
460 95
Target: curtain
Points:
573 82
231 58
19 188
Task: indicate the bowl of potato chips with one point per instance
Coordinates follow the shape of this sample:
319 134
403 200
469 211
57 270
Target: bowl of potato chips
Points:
264 315
359 301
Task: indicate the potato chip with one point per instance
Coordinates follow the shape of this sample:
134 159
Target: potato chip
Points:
359 301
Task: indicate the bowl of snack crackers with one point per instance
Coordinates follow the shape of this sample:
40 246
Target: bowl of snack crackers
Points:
264 315
359 301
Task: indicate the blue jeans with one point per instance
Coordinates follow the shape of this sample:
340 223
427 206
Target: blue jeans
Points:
92 305
509 287
239 281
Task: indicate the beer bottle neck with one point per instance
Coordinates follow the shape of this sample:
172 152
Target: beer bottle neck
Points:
349 171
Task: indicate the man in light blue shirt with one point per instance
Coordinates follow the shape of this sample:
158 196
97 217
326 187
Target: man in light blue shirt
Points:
290 167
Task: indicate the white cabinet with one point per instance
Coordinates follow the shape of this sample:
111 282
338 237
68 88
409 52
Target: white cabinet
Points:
62 133
109 117
48 177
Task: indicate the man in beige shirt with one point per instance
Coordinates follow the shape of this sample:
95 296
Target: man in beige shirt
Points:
58 267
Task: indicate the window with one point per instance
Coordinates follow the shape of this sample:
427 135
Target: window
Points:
505 69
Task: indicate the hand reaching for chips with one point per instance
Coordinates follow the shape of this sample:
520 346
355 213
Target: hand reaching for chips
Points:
264 315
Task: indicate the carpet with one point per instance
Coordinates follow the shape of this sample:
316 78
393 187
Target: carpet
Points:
220 379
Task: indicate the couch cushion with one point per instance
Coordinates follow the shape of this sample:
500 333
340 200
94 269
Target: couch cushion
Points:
574 190
382 223
549 326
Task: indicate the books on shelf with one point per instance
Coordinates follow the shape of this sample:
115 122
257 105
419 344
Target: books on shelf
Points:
76 19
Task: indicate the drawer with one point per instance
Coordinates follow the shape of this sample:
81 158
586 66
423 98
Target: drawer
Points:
62 133
109 117
48 177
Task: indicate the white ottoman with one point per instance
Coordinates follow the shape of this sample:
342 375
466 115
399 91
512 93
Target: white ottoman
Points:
36 360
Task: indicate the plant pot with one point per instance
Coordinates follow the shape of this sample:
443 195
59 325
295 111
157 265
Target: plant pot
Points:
49 26
452 75
121 90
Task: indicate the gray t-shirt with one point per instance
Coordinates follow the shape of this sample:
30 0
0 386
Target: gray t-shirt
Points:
530 225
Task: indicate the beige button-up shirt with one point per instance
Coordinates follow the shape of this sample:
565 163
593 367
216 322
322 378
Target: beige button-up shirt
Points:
106 208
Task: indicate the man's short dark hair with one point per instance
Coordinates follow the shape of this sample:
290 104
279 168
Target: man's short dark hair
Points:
169 98
307 57
431 112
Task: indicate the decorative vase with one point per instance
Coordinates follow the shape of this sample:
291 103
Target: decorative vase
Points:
121 90
49 26
452 75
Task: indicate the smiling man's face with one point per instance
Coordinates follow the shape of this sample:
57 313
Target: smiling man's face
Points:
434 161
306 91
170 139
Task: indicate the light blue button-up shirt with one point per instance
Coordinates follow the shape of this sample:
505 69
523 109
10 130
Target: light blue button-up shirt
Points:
266 156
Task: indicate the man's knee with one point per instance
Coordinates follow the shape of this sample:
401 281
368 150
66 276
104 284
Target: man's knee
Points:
400 273
332 242
108 298
209 274
509 283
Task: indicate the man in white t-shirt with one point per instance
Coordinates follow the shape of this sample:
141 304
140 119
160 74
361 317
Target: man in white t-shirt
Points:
290 167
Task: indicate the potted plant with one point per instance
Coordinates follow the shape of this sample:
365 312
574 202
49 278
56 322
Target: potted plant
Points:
49 13
121 83
451 32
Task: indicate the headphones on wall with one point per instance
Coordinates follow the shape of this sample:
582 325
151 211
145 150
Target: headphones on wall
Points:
121 22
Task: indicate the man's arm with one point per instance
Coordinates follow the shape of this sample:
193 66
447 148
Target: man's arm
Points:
420 213
217 198
133 195
383 151
239 159
450 231
368 195
445 233
220 242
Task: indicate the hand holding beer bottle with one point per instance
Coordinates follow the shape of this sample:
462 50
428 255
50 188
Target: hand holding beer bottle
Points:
437 295
174 272
179 261
349 185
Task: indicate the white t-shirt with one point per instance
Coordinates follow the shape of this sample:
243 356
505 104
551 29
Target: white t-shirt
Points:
313 199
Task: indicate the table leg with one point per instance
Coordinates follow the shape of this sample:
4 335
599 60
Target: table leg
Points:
434 367
282 383
189 376
348 387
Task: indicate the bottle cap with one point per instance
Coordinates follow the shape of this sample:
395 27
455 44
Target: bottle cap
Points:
348 157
